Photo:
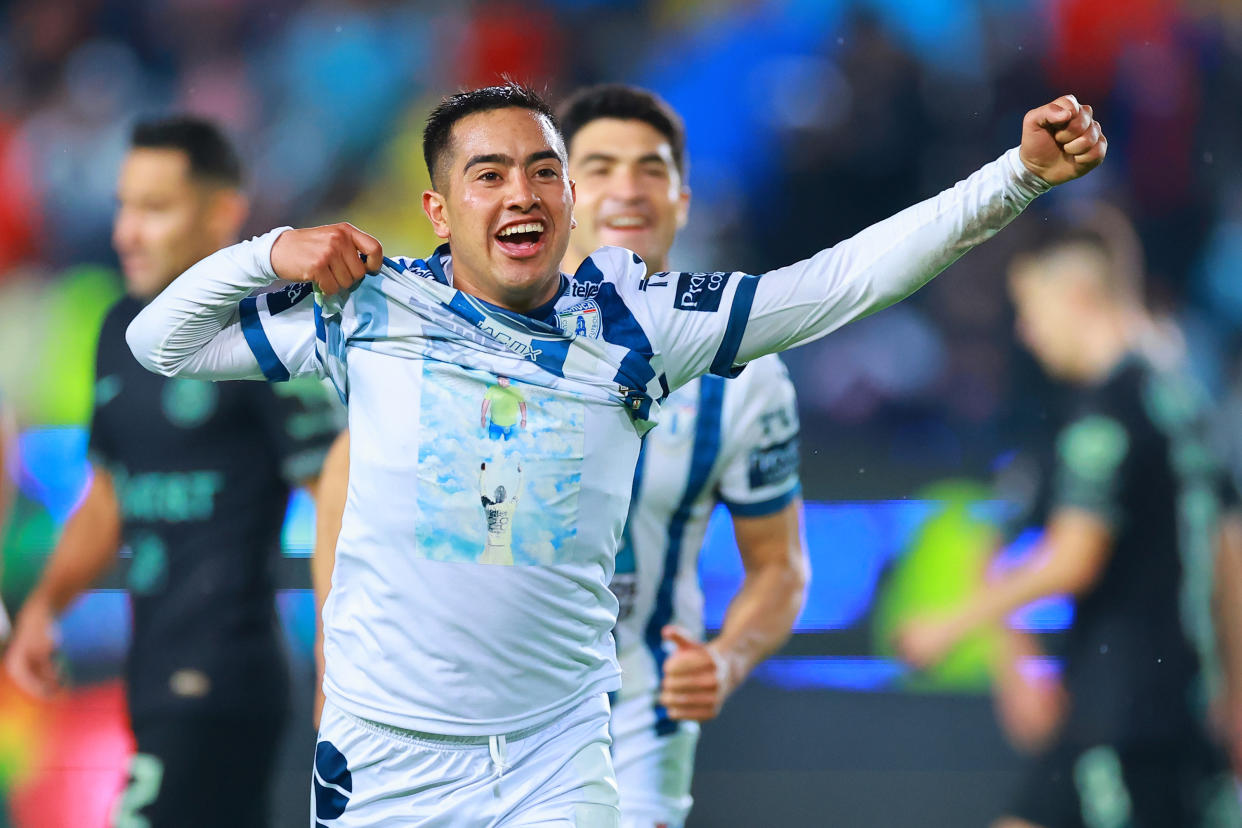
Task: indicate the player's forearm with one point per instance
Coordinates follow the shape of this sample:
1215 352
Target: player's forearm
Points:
193 328
761 616
86 550
886 262
1227 609
1041 576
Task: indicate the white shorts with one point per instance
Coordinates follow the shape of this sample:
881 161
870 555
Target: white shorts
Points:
558 775
653 770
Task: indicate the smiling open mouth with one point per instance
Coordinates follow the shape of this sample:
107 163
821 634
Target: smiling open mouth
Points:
625 223
519 239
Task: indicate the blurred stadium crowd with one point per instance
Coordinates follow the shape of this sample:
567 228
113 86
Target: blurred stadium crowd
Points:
808 120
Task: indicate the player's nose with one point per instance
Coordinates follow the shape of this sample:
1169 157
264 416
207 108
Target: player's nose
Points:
520 195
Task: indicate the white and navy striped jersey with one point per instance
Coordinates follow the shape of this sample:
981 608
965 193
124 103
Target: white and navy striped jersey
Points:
720 441
492 453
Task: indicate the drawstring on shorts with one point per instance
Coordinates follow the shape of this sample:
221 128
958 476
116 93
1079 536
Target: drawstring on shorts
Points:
498 747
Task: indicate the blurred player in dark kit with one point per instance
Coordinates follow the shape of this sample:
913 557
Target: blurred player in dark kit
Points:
193 477
1141 527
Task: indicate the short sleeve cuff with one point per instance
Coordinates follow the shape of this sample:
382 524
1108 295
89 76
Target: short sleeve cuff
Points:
762 508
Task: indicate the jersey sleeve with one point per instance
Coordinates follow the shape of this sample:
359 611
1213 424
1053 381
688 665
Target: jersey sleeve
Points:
693 320
761 477
715 322
207 325
884 263
300 419
1090 453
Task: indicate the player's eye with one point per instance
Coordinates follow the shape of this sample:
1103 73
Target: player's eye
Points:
656 171
489 176
547 173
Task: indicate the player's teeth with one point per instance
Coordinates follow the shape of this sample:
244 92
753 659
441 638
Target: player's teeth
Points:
625 221
532 227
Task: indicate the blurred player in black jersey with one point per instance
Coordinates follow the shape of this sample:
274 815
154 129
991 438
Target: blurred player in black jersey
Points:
1142 528
193 477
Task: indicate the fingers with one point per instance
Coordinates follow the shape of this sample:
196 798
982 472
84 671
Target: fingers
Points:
1094 155
679 637
697 708
33 672
1084 142
372 252
1057 113
330 256
703 678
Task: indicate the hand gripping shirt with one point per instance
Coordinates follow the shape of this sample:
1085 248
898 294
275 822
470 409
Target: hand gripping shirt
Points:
470 594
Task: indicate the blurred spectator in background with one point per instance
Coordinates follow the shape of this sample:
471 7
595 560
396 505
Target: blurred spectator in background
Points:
184 479
1143 528
8 490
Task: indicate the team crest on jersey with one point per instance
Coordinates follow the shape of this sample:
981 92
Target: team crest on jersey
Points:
188 403
582 319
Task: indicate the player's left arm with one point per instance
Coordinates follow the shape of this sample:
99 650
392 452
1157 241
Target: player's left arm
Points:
698 677
1075 550
760 487
1077 543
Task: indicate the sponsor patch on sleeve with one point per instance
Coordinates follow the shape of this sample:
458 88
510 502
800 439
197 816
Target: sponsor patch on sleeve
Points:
773 464
700 291
281 300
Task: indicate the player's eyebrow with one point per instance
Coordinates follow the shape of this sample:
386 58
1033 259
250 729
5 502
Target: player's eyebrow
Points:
612 159
542 155
507 160
491 158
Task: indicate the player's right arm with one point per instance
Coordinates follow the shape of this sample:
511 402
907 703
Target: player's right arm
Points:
206 325
329 509
86 550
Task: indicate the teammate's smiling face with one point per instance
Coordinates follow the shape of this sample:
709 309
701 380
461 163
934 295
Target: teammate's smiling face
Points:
166 220
630 192
505 202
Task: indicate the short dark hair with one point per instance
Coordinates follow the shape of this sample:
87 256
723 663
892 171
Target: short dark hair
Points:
626 103
1097 226
212 157
439 129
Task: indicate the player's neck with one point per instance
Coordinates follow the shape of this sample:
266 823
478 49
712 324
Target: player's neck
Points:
1102 348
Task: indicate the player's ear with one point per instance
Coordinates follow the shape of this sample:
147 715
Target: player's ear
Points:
683 207
227 209
434 207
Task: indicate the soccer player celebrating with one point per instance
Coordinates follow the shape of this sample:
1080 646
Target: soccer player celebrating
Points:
734 442
193 477
1135 530
472 694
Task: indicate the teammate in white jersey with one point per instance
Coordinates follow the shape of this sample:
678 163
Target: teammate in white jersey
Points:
463 693
733 442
